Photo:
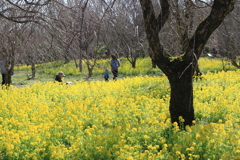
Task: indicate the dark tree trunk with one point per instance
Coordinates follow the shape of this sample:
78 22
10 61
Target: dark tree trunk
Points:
8 76
134 62
89 73
76 64
33 70
181 102
31 60
80 65
9 65
90 70
154 64
179 70
66 59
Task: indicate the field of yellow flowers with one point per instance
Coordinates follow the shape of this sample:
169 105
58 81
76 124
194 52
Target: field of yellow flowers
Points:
124 119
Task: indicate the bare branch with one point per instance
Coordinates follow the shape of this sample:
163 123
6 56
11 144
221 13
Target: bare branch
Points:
219 11
163 16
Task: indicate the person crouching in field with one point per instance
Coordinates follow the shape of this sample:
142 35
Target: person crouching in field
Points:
106 75
115 63
59 77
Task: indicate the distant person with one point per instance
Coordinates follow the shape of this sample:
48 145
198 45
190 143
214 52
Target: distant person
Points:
115 63
106 75
59 76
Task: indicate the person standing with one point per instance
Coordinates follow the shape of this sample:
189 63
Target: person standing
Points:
106 75
115 63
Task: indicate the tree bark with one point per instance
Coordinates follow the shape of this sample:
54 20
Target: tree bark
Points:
233 58
181 101
134 62
154 64
8 78
80 65
8 75
80 37
66 59
90 69
33 70
89 73
9 66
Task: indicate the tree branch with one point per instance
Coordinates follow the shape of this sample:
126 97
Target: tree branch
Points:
163 16
219 11
151 30
18 19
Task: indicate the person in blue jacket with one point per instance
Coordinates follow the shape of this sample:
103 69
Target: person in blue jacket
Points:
106 75
115 63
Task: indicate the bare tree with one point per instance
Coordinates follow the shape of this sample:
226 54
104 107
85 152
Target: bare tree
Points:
14 16
129 29
180 69
22 11
33 50
10 47
93 36
227 37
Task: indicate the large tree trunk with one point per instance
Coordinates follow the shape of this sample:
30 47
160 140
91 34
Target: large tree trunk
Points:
8 65
179 70
181 102
8 76
180 75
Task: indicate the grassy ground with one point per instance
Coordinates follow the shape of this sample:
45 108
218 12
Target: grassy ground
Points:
46 72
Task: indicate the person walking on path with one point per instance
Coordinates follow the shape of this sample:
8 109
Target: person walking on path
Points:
115 63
